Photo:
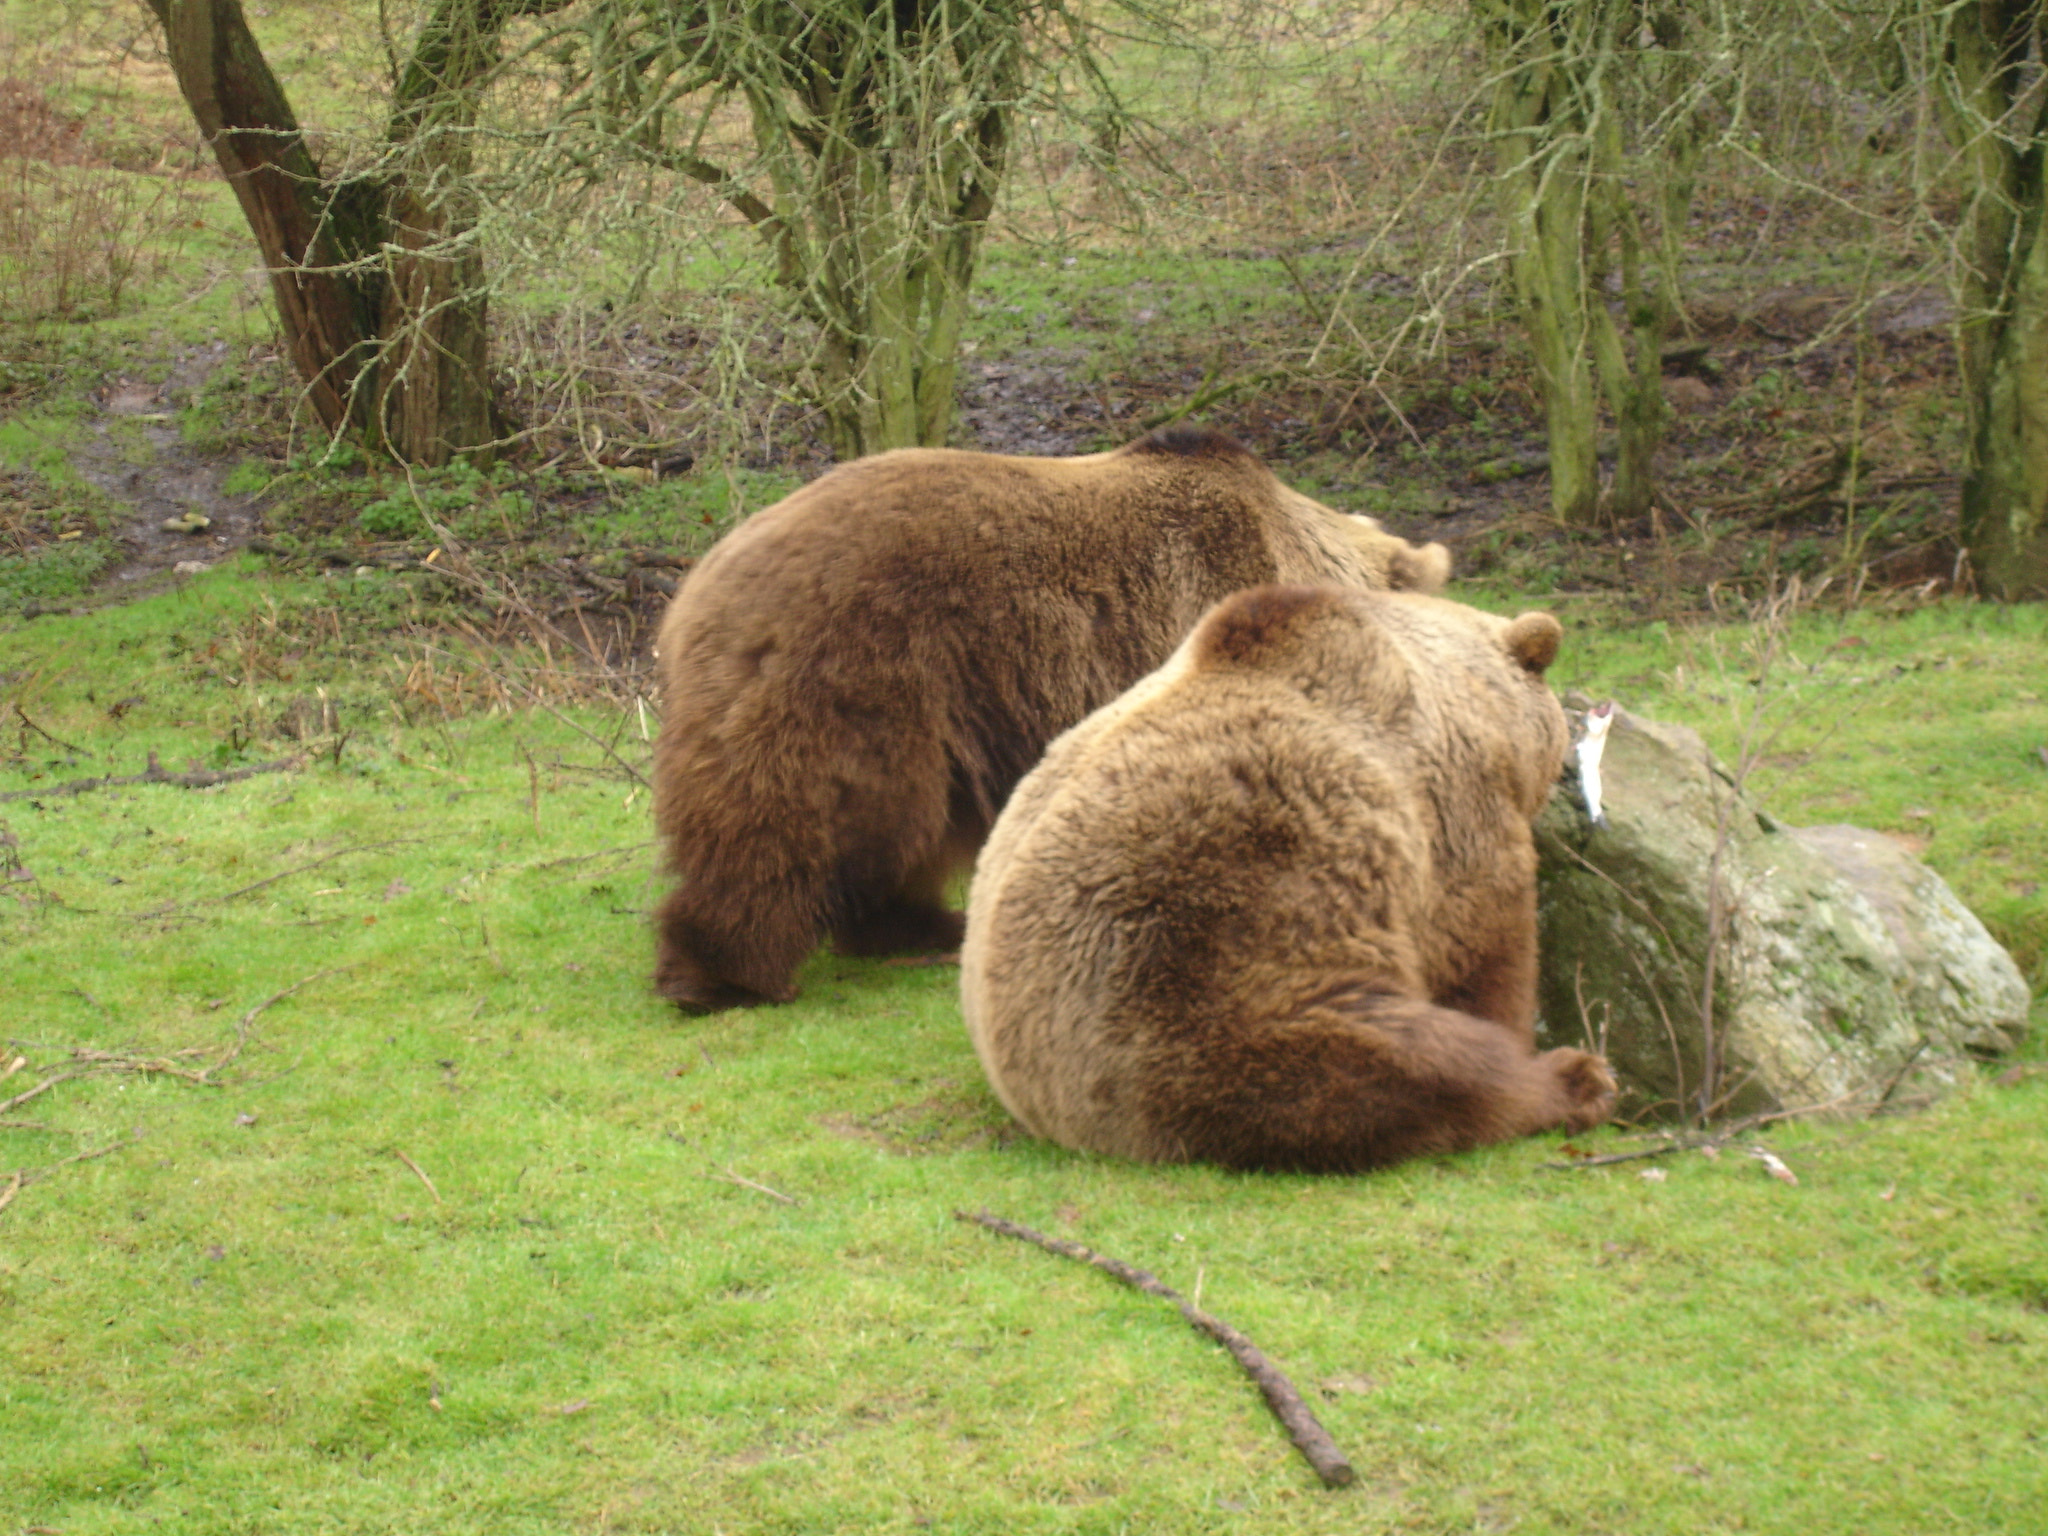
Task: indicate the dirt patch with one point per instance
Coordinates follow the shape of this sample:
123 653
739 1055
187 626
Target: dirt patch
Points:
1027 403
948 1121
135 454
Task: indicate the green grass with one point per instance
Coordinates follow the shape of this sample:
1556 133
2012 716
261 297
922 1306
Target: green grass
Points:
254 1316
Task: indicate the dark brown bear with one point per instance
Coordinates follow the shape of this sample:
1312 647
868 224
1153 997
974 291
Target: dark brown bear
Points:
856 677
1275 907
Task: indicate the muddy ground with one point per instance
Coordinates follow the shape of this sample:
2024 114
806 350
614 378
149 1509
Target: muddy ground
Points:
172 482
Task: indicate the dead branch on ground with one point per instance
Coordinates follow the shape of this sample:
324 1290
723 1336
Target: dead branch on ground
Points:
1302 1427
30 725
158 774
171 908
21 1178
1713 1141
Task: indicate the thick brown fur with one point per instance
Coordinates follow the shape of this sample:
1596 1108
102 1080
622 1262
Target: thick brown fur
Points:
1275 907
855 678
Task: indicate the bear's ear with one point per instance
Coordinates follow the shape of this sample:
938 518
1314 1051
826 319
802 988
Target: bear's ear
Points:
1533 640
1419 568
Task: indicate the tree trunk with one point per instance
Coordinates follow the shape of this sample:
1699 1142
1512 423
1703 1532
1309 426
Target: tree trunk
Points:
379 284
1542 188
1992 104
1565 78
433 393
311 238
2005 493
887 282
882 135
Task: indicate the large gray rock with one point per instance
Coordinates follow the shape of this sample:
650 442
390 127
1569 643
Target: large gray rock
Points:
1843 967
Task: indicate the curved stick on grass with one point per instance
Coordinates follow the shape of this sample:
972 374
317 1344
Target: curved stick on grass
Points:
1309 1436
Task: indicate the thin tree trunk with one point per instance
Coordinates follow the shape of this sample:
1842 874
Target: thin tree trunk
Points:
309 230
1542 188
1994 106
1563 79
433 397
2005 493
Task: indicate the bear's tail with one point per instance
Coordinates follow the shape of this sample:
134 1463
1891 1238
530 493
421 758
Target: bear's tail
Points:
1359 1079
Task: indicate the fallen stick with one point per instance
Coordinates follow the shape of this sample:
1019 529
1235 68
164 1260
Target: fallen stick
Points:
22 715
158 774
746 1183
180 910
43 1087
1666 1150
1308 1435
23 1177
1710 1141
242 1029
418 1173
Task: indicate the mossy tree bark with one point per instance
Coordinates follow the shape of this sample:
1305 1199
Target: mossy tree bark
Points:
379 285
1993 101
1590 102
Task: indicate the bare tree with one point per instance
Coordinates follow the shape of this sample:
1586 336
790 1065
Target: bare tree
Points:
1984 66
1599 114
377 276
875 140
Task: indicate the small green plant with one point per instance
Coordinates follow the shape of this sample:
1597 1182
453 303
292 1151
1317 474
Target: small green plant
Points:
247 478
438 495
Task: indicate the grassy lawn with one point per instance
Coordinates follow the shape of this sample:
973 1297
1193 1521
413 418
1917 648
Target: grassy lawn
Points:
372 1191
462 1237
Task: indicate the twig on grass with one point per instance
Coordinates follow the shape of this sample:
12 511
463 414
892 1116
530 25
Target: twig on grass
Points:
170 909
585 858
418 1173
43 1087
242 1028
532 787
1665 1150
774 1194
23 1177
1302 1427
22 715
1715 1140
158 774
90 1061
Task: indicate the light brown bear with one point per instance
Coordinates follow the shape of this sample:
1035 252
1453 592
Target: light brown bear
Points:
855 678
1275 907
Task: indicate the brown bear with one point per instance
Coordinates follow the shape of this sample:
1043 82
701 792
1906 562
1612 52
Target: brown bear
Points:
854 679
1275 907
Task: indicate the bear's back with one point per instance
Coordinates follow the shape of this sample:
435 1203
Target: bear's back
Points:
1272 809
1019 586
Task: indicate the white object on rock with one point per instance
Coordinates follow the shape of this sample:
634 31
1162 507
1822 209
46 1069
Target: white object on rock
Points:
190 567
1591 745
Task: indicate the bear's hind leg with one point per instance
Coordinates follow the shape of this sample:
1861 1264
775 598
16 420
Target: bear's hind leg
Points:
914 919
702 971
1362 1080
